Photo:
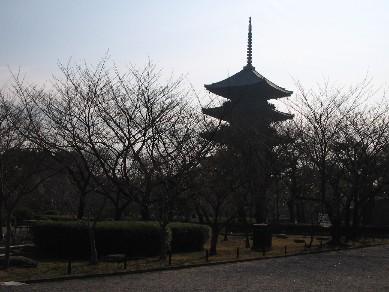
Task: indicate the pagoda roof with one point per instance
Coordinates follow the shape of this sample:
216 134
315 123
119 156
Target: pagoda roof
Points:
248 84
233 112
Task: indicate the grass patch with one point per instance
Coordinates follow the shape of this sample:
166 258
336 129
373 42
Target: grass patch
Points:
227 251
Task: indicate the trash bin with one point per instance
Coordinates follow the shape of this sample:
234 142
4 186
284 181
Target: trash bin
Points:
262 237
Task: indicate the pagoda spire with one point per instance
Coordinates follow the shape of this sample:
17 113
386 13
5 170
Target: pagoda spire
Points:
249 47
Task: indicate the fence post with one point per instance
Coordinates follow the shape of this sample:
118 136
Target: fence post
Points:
170 257
237 252
286 250
125 262
206 255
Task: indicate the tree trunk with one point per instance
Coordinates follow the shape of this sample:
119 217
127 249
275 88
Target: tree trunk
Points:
145 211
92 242
300 212
81 207
118 213
247 235
1 220
260 212
336 232
347 214
292 214
164 241
356 223
214 237
7 241
199 214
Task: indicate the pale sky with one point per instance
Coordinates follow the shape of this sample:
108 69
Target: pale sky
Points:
306 40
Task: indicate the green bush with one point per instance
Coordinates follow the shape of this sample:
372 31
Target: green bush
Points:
134 239
188 237
131 238
61 239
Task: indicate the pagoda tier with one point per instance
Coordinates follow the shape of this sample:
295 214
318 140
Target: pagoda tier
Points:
234 111
247 84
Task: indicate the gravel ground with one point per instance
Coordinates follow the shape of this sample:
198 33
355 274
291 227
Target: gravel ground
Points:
351 270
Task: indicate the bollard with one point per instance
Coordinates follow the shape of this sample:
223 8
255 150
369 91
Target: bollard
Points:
206 255
125 262
170 257
286 250
237 252
69 266
264 252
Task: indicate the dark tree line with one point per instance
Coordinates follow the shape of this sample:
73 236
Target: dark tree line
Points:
134 141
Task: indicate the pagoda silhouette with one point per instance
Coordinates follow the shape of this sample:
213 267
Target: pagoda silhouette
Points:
249 116
248 93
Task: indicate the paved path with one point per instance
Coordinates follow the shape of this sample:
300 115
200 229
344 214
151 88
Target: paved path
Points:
364 269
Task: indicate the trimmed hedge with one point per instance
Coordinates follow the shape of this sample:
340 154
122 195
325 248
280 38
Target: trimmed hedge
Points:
130 238
189 237
61 239
135 239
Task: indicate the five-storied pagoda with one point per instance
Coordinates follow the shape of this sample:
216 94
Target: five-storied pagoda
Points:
248 114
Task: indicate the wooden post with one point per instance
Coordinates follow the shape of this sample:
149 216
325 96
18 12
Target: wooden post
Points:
206 255
125 262
170 257
305 246
237 252
286 250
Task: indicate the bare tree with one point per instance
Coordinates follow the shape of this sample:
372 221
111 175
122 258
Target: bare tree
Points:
360 155
320 120
21 165
217 193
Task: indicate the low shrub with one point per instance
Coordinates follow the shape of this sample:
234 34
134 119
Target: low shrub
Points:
131 238
188 237
134 239
61 238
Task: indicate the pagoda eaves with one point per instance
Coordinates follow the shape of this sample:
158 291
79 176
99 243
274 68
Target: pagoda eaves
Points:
247 84
229 112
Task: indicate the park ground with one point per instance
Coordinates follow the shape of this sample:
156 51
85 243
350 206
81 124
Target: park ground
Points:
359 269
230 250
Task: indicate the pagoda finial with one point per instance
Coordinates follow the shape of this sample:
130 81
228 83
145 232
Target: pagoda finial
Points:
249 50
249 47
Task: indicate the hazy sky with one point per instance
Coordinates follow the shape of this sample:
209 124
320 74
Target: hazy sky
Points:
206 39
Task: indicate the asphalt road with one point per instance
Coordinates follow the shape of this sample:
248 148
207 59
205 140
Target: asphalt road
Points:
364 269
